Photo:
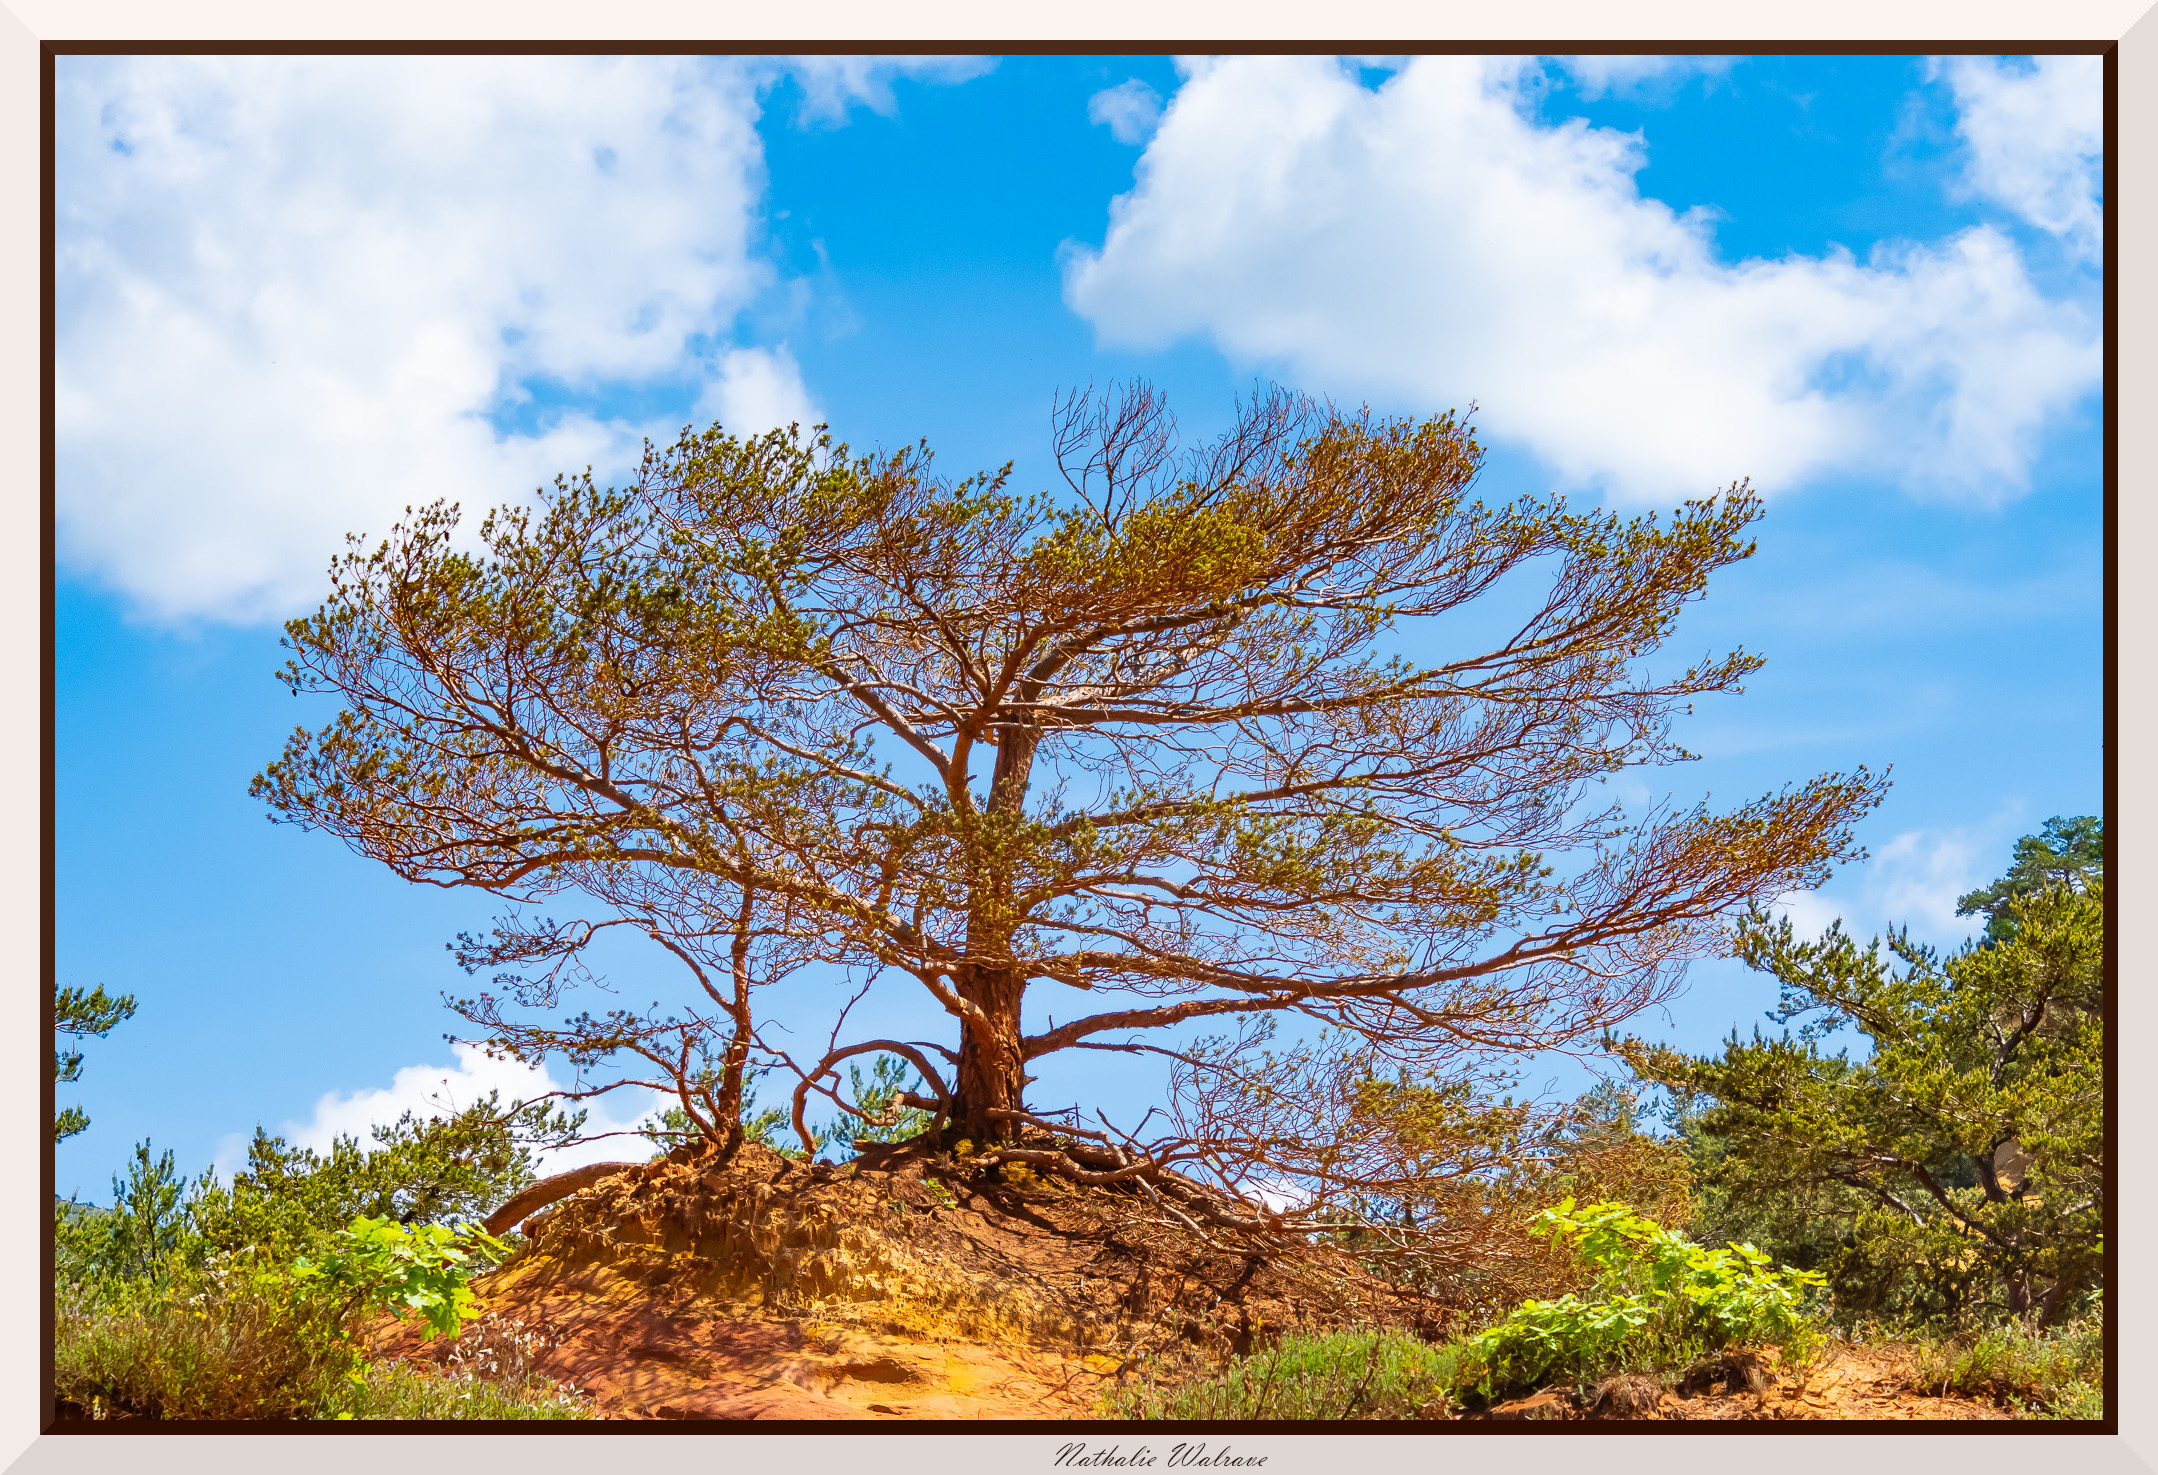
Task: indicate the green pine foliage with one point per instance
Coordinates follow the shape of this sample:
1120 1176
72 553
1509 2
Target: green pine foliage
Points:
767 1126
289 1200
1952 1174
876 1095
773 1126
2067 853
138 1238
1802 1227
81 1014
418 1171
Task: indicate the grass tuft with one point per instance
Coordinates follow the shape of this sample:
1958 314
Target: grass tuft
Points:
2057 1376
1346 1375
401 1391
149 1352
141 1353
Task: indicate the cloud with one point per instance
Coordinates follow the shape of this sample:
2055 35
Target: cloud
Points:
1914 881
1279 1195
757 389
1638 78
1130 109
1811 912
1917 877
1427 243
437 1090
831 85
2033 127
297 294
292 290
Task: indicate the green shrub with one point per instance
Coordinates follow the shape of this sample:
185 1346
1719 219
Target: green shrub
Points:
1659 1302
2061 1375
254 1354
205 1301
1347 1375
247 1337
287 1199
243 1347
378 1264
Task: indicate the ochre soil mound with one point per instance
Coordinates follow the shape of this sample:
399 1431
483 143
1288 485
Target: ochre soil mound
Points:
902 1284
1844 1382
908 1285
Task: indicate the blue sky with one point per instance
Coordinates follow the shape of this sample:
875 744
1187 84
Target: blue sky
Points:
296 296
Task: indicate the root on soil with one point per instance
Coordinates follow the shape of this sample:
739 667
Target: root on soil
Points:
905 1239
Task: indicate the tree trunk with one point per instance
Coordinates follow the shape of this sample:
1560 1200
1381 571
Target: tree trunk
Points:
736 1062
2051 1306
727 1106
992 1075
2019 1294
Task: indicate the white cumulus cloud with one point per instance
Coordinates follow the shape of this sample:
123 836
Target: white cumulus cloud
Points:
292 289
833 84
1129 110
757 389
1426 243
439 1091
1638 78
2034 129
297 294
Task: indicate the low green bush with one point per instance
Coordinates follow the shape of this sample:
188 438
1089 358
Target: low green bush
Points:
379 1265
243 1346
250 1337
1659 1302
490 1372
2060 1375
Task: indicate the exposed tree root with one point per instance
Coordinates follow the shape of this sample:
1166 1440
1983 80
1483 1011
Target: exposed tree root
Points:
547 1191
